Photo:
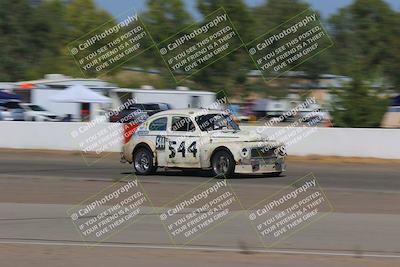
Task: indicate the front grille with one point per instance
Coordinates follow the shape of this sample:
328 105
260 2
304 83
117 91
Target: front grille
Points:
261 152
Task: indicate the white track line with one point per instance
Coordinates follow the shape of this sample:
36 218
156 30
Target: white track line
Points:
202 248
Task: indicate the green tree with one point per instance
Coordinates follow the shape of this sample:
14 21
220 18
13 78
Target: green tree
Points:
48 39
393 64
165 18
357 105
33 40
230 72
162 19
83 16
367 31
15 16
275 12
273 15
237 10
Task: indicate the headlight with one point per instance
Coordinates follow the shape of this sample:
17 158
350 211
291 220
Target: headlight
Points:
281 151
245 152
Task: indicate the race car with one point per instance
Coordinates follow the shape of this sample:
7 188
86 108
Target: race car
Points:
201 139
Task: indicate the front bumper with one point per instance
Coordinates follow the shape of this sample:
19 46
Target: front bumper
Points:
261 165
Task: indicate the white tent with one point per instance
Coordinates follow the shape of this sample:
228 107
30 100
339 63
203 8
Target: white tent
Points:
79 94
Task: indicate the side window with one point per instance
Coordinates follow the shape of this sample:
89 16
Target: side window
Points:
158 124
182 124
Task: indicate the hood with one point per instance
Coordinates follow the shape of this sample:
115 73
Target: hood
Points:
236 136
247 138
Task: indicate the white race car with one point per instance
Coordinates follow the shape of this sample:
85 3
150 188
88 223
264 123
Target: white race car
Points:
201 139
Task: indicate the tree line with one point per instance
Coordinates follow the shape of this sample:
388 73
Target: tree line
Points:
366 35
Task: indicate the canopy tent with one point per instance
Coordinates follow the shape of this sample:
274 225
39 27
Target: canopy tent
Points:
7 96
79 94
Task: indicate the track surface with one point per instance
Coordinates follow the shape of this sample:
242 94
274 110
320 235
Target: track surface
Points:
36 189
372 177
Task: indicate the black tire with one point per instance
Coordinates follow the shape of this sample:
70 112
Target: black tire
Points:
222 164
276 174
143 161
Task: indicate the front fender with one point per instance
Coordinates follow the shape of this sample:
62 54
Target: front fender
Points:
233 148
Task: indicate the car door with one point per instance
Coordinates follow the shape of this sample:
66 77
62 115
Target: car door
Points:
183 141
156 134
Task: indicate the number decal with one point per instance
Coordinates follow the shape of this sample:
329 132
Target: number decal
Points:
182 149
160 142
172 149
192 148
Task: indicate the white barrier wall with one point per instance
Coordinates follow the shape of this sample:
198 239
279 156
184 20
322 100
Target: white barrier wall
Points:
50 135
377 143
344 142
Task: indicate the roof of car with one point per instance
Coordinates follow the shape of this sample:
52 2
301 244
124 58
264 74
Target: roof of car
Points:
188 111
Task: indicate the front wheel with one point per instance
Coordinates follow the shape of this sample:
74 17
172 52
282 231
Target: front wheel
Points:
143 161
223 163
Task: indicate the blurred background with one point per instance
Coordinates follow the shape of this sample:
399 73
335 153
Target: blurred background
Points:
47 166
356 82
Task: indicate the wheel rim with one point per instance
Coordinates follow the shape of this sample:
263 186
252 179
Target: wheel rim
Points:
142 162
221 165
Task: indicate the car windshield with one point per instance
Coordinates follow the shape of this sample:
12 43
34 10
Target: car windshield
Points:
217 121
36 108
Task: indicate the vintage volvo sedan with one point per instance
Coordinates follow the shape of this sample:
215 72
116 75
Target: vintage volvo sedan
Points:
201 139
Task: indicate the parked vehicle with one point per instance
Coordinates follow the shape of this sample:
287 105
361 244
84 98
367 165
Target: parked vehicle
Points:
139 112
37 113
181 97
271 108
11 110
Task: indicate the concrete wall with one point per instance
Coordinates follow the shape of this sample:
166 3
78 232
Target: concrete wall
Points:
378 143
347 142
49 135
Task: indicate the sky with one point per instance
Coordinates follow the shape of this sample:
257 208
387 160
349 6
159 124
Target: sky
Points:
325 7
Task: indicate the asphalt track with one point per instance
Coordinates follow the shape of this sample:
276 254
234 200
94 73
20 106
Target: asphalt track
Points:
36 190
354 176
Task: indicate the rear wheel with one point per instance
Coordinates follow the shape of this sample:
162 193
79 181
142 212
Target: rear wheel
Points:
223 163
143 161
